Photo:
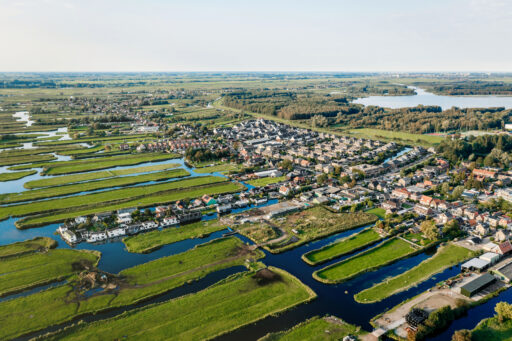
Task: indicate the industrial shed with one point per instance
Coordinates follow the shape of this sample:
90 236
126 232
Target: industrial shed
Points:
475 264
477 284
490 257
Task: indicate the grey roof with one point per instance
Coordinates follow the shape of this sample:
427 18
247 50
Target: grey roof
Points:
479 282
476 263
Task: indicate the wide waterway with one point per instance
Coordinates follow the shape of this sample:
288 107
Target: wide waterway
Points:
423 97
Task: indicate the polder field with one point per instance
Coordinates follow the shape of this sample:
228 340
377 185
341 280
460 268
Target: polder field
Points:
319 274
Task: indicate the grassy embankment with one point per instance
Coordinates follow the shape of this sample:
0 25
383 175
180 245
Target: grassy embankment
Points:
141 282
150 241
33 269
16 160
222 168
445 257
492 329
318 329
16 175
111 196
96 139
266 181
145 200
228 305
342 247
86 165
42 150
396 136
67 179
305 226
50 192
28 246
374 258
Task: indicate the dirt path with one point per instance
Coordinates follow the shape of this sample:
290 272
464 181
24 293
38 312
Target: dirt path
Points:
429 301
279 239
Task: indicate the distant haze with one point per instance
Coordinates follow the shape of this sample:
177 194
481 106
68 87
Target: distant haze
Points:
262 35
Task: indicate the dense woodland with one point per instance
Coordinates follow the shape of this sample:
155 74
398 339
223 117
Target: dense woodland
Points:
338 111
486 150
462 88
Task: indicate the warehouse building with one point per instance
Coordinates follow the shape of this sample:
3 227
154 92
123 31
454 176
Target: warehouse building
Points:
477 285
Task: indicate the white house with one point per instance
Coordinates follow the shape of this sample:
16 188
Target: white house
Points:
96 237
169 221
117 232
124 218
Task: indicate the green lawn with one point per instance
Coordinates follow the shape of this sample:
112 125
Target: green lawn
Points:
492 330
16 175
150 241
124 194
379 212
28 246
223 168
316 329
85 165
67 179
240 300
49 192
446 256
383 254
32 269
341 247
266 181
59 304
144 201
420 139
16 160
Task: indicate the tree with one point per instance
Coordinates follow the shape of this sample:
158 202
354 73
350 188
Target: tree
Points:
286 164
445 188
321 179
462 335
429 229
504 311
452 229
457 192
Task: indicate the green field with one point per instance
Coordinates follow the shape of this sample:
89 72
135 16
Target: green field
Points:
445 257
97 139
16 160
492 329
383 254
16 175
266 181
222 168
124 194
67 179
379 212
49 192
144 201
85 165
150 241
403 137
33 269
28 246
43 150
140 282
316 329
237 301
342 247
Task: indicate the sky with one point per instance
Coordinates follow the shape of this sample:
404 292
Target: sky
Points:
257 35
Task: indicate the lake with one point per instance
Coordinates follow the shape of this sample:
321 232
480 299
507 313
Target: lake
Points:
445 102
